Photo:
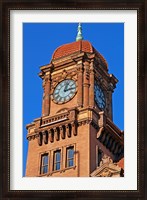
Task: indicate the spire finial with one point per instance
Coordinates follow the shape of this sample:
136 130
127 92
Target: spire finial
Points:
79 34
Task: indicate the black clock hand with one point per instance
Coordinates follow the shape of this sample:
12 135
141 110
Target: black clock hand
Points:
66 86
68 89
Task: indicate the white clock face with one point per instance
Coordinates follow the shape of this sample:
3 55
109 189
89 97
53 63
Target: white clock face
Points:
64 91
99 97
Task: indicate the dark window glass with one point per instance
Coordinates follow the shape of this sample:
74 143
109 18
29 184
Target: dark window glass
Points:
100 155
57 160
44 163
45 160
45 169
57 166
70 156
58 156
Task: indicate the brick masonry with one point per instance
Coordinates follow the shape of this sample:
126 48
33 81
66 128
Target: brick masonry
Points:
79 122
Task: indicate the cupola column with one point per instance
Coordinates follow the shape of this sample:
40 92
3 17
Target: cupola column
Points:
46 95
86 84
91 92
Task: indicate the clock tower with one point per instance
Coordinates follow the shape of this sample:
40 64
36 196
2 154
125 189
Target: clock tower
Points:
76 136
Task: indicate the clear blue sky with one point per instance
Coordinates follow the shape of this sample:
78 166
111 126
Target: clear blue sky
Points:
39 42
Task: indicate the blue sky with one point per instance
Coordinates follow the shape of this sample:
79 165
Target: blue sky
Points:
39 42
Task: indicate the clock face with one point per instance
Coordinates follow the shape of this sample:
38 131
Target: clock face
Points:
64 91
99 97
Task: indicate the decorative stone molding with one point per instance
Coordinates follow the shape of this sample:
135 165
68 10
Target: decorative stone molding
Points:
100 132
110 136
40 139
74 128
107 168
56 133
108 140
68 131
62 110
74 75
80 68
88 121
49 120
62 132
64 74
51 136
106 159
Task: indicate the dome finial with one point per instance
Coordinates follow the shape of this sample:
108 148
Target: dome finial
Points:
79 34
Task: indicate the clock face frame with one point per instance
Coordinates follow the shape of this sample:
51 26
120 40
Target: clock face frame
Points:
64 91
99 97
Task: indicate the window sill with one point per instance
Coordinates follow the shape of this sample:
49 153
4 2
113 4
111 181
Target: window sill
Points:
72 167
57 171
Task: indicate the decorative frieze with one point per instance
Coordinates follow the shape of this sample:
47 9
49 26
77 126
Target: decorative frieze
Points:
55 133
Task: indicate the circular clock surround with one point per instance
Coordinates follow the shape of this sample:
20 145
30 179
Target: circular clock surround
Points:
99 96
64 91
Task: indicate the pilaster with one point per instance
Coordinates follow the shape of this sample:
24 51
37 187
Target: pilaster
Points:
91 89
80 84
86 84
46 95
